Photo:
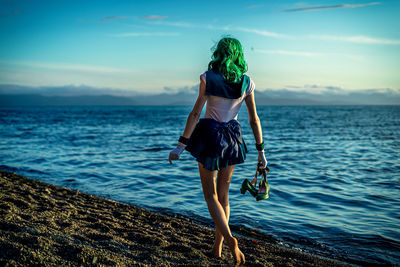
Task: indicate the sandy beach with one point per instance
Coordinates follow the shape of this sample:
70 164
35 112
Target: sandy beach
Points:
47 225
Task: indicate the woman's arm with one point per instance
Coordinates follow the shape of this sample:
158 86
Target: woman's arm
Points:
196 111
191 121
256 127
253 118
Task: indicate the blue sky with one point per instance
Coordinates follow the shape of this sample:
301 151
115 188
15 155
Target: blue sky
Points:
149 45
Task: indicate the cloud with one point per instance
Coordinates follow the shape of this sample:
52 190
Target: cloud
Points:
69 67
65 90
181 24
352 39
12 94
11 13
261 32
146 34
154 17
328 95
223 28
286 52
329 90
185 89
356 39
8 5
84 68
308 54
314 8
321 89
113 17
334 88
255 6
316 89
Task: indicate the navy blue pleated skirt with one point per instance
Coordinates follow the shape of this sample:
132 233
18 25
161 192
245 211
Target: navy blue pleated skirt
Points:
217 144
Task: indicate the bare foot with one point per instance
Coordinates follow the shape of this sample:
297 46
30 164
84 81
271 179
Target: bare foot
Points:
214 253
236 253
217 250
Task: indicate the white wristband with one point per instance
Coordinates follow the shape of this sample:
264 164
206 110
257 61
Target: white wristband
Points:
181 145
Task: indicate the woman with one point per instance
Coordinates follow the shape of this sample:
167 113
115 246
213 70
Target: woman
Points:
216 140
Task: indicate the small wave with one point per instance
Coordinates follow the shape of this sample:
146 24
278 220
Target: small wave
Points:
37 160
9 168
156 149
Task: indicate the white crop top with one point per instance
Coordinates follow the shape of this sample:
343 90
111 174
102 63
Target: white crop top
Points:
224 109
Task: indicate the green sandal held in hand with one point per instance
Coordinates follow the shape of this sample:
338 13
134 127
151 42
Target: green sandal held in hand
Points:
263 188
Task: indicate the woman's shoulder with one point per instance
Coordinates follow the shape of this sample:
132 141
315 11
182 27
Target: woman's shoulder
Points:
203 76
251 87
210 73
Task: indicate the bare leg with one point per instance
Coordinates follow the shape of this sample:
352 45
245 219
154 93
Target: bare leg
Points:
217 212
223 181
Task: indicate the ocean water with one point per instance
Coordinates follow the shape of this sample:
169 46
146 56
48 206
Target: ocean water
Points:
335 170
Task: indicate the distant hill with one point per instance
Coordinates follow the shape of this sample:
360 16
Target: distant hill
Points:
15 95
84 100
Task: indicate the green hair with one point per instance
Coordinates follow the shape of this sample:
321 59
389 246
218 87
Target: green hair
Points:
228 59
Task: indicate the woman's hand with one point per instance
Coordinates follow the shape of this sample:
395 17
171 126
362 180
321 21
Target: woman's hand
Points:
261 159
176 152
191 121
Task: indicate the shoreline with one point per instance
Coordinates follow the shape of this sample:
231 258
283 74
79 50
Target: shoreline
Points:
43 224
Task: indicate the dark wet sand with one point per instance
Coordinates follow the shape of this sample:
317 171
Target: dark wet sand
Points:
46 225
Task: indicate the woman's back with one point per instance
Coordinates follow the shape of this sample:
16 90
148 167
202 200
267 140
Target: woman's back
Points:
224 109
